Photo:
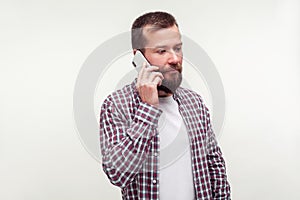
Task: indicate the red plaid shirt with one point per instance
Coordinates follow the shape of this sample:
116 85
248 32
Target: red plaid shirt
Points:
129 143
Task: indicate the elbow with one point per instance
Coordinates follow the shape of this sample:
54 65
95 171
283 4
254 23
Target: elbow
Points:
117 178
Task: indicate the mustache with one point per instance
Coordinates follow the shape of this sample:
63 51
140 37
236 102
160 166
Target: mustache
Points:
177 67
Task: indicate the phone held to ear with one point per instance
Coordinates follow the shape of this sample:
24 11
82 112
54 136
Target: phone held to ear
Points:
138 60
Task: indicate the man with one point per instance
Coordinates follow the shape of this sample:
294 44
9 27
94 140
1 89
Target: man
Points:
131 136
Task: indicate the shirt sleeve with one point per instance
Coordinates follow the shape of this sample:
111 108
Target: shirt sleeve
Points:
217 169
125 146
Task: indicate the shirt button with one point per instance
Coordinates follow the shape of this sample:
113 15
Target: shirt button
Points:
155 154
154 181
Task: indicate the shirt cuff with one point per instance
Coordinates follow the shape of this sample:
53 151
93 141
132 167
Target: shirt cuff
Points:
148 114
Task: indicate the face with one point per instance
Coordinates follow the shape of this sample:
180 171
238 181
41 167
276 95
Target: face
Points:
164 49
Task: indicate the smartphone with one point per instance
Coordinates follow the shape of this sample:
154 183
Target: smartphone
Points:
138 60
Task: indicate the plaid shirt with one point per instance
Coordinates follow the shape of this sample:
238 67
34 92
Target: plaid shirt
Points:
129 143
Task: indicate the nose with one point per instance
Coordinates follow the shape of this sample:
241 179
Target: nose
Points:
174 57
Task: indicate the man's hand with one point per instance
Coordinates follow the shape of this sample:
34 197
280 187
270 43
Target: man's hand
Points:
148 80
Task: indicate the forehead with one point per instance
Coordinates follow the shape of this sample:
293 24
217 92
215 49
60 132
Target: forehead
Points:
161 37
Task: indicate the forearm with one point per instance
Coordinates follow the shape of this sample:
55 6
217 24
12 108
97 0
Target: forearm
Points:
217 170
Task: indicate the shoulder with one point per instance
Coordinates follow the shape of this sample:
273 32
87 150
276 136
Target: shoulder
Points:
191 98
185 93
121 96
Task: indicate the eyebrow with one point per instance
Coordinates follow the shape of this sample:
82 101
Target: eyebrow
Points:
164 46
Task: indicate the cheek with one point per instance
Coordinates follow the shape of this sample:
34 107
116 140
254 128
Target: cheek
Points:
180 60
157 60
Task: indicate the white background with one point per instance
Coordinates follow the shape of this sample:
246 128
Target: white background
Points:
253 43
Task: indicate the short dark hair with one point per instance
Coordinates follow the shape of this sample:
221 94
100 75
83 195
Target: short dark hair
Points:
158 20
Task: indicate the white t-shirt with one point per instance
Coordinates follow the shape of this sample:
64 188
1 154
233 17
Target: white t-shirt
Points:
175 178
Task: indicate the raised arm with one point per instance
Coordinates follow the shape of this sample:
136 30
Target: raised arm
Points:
125 143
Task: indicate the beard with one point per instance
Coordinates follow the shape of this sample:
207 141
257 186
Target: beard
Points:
171 81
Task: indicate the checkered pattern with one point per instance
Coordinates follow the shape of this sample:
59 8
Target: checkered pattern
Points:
129 143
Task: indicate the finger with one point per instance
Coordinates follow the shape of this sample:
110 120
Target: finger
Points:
149 71
157 77
152 68
145 74
153 75
157 81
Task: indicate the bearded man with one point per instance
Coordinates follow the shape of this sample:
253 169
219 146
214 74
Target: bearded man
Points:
132 137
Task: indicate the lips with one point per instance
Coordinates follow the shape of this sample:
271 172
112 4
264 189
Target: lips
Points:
172 70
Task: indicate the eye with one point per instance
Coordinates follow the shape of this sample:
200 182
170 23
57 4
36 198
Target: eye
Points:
161 51
177 49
